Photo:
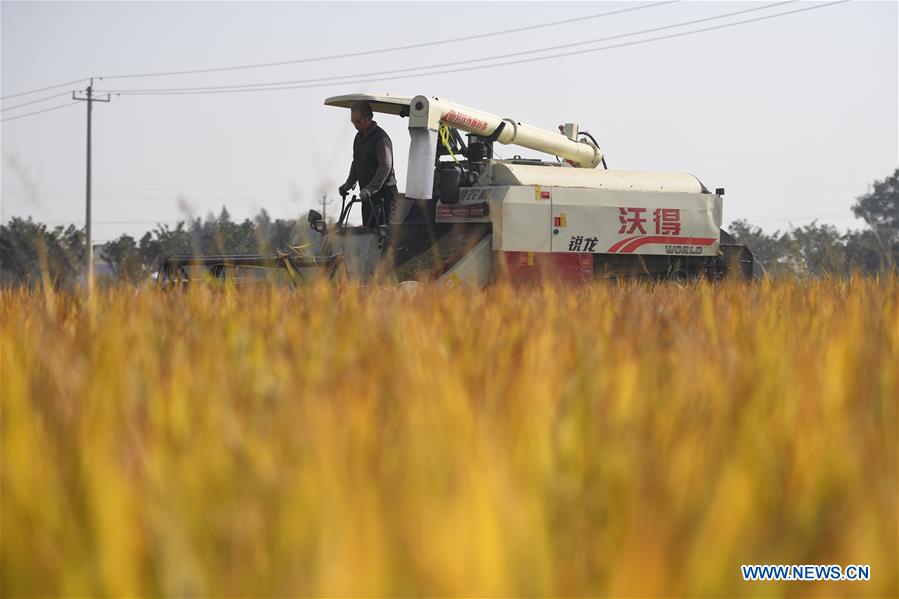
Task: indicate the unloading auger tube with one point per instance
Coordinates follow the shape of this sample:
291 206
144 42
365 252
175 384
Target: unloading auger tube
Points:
426 114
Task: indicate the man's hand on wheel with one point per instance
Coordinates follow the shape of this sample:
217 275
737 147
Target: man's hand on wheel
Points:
365 195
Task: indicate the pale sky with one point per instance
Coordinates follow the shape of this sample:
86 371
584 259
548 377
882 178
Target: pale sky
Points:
795 116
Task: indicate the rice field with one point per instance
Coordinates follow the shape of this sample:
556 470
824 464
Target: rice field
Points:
623 441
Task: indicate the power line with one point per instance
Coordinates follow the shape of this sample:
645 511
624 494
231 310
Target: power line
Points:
467 61
44 99
143 222
187 221
43 89
268 87
60 223
837 216
157 197
55 190
390 49
22 116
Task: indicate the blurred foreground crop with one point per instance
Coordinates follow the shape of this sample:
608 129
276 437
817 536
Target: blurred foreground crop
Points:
633 440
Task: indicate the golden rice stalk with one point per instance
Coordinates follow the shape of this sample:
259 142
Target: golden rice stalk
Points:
625 440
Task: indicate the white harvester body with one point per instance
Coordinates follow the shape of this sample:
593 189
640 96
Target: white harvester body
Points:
558 209
552 208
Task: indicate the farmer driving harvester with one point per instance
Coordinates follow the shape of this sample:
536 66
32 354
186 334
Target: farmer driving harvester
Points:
372 167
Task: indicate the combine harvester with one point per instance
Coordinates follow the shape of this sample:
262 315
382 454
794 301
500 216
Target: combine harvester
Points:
467 218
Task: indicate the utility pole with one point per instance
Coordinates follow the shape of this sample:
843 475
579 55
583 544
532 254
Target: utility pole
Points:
90 99
324 209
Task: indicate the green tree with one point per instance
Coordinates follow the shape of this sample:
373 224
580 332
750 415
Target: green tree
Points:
164 241
880 208
29 252
819 249
773 252
864 253
123 255
879 251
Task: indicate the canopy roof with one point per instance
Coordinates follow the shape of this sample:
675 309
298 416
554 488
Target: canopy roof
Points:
386 103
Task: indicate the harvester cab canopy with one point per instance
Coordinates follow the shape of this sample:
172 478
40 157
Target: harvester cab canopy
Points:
386 104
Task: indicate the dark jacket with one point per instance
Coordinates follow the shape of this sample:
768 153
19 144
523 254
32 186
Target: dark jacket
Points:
372 161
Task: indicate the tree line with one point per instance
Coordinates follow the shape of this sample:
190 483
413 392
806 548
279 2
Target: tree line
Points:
30 252
821 250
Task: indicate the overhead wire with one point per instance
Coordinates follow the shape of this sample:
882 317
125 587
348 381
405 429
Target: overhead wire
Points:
43 89
836 216
60 223
331 57
27 114
389 49
160 197
467 61
130 189
276 87
44 99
